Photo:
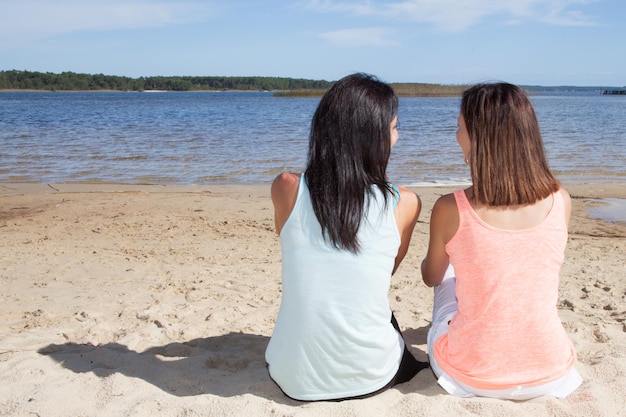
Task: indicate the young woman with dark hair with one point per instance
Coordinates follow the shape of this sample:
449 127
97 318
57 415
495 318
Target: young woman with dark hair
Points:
494 257
344 229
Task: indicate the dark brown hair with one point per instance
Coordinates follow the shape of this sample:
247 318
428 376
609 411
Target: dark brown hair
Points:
349 147
507 158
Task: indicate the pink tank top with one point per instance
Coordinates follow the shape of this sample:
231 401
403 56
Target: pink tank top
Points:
507 331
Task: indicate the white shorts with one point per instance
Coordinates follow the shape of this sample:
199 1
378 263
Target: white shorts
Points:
445 307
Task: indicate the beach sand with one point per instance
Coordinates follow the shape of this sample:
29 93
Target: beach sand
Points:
159 301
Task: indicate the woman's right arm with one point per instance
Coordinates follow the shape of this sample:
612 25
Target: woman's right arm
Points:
444 221
406 212
284 194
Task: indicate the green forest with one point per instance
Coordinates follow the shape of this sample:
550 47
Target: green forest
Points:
280 86
289 87
70 81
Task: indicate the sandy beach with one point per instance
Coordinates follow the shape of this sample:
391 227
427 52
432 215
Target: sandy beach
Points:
160 300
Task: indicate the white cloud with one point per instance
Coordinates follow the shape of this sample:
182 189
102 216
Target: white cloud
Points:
359 37
567 18
454 15
358 8
31 20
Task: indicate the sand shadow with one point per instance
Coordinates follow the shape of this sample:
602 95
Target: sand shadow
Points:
226 365
416 336
425 382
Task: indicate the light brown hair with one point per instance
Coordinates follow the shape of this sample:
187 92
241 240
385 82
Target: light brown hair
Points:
507 158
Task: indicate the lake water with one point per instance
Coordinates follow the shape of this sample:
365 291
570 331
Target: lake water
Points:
248 138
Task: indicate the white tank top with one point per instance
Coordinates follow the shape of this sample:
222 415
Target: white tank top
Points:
333 336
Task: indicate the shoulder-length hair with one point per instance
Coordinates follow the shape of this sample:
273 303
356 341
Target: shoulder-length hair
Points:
507 158
349 148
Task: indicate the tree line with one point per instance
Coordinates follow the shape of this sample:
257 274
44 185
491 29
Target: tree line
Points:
70 81
289 87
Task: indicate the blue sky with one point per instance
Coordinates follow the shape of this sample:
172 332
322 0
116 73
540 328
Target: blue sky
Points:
529 42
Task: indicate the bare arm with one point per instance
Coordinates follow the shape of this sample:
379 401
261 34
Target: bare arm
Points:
407 211
284 194
444 222
568 205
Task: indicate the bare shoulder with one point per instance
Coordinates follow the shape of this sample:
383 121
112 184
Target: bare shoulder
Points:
445 204
566 197
409 206
284 184
444 219
409 197
284 195
567 203
287 178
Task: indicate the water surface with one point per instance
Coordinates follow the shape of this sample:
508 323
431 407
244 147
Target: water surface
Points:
248 138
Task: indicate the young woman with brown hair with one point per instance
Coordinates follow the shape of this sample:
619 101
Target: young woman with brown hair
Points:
494 256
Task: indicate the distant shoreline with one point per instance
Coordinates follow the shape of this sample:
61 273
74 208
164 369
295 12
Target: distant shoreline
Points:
402 90
33 81
405 90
